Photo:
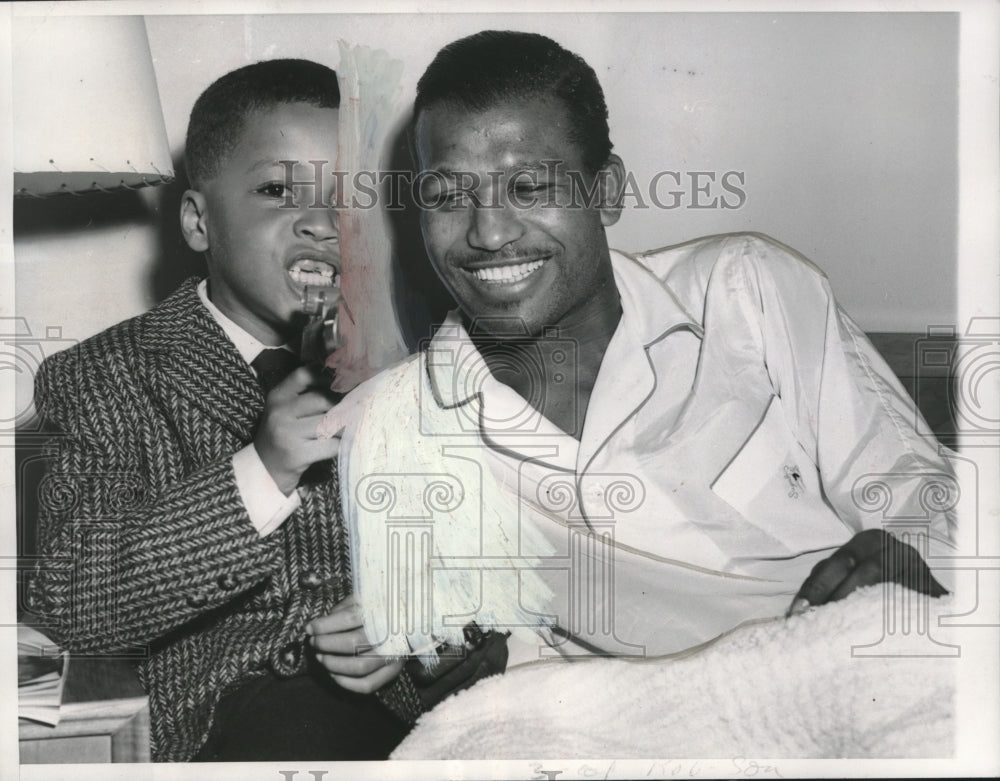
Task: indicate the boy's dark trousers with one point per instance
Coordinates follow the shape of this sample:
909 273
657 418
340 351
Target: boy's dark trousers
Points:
300 718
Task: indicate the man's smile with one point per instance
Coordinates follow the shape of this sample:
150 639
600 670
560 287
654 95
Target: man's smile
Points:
506 274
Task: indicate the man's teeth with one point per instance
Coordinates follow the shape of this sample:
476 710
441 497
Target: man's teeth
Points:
322 277
507 274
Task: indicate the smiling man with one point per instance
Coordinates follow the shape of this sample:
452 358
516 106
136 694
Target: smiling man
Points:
688 427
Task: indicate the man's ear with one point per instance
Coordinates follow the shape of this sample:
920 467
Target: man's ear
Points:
612 179
194 220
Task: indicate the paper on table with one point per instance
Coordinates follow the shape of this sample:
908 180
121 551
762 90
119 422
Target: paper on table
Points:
41 675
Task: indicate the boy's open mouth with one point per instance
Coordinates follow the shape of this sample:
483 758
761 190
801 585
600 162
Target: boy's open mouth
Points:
314 272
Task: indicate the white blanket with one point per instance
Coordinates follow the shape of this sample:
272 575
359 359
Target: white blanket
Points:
781 689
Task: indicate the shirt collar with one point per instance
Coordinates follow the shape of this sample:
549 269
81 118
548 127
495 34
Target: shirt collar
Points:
452 361
249 347
650 311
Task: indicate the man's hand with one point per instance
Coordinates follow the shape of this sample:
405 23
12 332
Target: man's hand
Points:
286 438
870 557
342 647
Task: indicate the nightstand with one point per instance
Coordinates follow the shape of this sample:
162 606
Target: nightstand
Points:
104 718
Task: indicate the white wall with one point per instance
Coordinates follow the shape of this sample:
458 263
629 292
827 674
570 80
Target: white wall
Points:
844 126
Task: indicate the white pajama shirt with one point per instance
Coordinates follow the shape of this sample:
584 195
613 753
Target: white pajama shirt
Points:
741 428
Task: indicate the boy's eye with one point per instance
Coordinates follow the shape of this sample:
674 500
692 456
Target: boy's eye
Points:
274 190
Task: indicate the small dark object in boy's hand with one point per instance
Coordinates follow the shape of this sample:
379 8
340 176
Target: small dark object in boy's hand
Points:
484 654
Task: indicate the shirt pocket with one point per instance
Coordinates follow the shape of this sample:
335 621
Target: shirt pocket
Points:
774 485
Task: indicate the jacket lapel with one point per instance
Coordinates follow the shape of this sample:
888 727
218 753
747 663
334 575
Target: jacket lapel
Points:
192 357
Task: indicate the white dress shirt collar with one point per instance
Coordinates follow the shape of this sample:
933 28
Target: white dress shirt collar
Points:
248 346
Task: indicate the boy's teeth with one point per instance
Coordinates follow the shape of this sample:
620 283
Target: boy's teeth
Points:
324 276
507 274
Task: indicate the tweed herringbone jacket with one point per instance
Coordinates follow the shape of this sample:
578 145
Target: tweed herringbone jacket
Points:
148 549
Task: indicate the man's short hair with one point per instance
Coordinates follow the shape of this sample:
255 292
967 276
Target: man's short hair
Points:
223 109
478 72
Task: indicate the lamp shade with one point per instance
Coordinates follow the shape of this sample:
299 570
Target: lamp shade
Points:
87 113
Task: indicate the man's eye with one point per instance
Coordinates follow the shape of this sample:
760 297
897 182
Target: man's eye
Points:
453 199
458 198
528 194
532 187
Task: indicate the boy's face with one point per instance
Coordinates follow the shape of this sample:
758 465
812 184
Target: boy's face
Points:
269 229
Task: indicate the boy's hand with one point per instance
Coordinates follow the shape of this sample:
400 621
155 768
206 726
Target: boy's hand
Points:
342 647
286 438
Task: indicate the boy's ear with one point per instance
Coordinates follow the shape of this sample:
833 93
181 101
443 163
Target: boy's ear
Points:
194 220
612 182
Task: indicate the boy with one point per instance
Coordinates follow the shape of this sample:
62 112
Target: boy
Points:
190 537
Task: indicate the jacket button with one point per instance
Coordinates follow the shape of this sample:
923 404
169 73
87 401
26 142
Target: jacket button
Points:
310 580
227 582
291 654
197 600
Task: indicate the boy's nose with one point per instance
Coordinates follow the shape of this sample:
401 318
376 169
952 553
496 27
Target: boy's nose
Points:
316 222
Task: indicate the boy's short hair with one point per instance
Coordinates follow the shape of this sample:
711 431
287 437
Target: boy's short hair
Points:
480 71
222 110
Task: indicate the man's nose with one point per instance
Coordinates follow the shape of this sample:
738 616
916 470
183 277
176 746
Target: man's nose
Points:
493 227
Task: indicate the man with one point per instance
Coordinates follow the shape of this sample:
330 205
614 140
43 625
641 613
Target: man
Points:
692 429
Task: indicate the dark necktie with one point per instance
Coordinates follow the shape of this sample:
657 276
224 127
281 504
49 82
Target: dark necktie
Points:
272 366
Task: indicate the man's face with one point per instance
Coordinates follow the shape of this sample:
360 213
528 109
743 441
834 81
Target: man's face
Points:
267 241
505 224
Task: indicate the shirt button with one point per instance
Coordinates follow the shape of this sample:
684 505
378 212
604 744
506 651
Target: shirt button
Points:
310 580
197 600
